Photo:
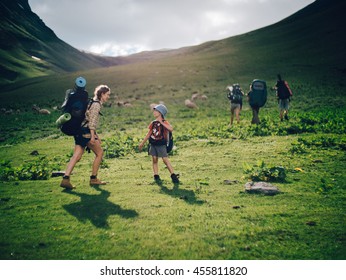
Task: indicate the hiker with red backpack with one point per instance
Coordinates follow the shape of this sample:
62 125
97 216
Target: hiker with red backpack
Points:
158 136
85 135
284 94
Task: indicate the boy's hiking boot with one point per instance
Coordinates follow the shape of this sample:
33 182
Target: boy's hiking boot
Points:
96 182
65 183
175 178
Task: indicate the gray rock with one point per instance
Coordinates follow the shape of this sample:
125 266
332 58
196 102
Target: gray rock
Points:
261 188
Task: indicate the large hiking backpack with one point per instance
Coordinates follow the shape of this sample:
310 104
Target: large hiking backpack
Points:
234 94
161 136
258 93
283 90
76 104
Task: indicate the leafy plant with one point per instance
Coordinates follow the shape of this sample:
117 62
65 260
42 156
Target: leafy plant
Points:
325 187
298 148
262 172
120 145
7 172
35 170
39 169
325 142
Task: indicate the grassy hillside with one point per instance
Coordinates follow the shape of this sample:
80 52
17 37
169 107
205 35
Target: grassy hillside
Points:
209 215
306 47
28 48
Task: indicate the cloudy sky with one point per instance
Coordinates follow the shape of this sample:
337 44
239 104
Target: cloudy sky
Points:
121 27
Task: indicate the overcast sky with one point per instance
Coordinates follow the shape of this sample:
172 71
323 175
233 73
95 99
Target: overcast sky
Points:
121 27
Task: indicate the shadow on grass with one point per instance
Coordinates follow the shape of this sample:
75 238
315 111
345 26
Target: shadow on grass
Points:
187 195
96 208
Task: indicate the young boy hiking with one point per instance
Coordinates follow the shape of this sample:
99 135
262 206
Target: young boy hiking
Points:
157 136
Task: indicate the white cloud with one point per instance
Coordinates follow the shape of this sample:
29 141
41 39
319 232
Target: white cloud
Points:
114 49
115 27
219 19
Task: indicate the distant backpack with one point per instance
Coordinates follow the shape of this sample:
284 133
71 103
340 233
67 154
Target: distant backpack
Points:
258 93
234 94
283 90
161 136
76 104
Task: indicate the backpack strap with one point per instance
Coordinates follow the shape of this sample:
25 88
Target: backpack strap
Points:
91 102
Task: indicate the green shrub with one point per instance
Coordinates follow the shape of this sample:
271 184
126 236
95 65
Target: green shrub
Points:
7 173
262 172
39 169
35 170
120 145
325 142
325 187
298 148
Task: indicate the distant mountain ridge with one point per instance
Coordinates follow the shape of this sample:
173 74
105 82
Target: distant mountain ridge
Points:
28 48
311 38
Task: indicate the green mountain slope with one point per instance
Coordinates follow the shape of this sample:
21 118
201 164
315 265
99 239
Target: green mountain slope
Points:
307 46
310 40
28 48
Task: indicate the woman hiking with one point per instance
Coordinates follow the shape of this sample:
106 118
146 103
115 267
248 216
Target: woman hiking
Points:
88 138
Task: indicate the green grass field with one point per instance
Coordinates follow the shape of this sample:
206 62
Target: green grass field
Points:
204 218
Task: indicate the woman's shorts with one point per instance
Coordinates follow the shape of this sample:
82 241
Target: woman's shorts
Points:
284 104
158 151
84 138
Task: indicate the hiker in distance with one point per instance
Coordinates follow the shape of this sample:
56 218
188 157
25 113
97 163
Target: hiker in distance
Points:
157 136
235 95
254 108
87 136
257 98
284 94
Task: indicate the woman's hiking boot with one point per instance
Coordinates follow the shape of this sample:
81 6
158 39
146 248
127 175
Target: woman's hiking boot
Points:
96 182
175 178
65 183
